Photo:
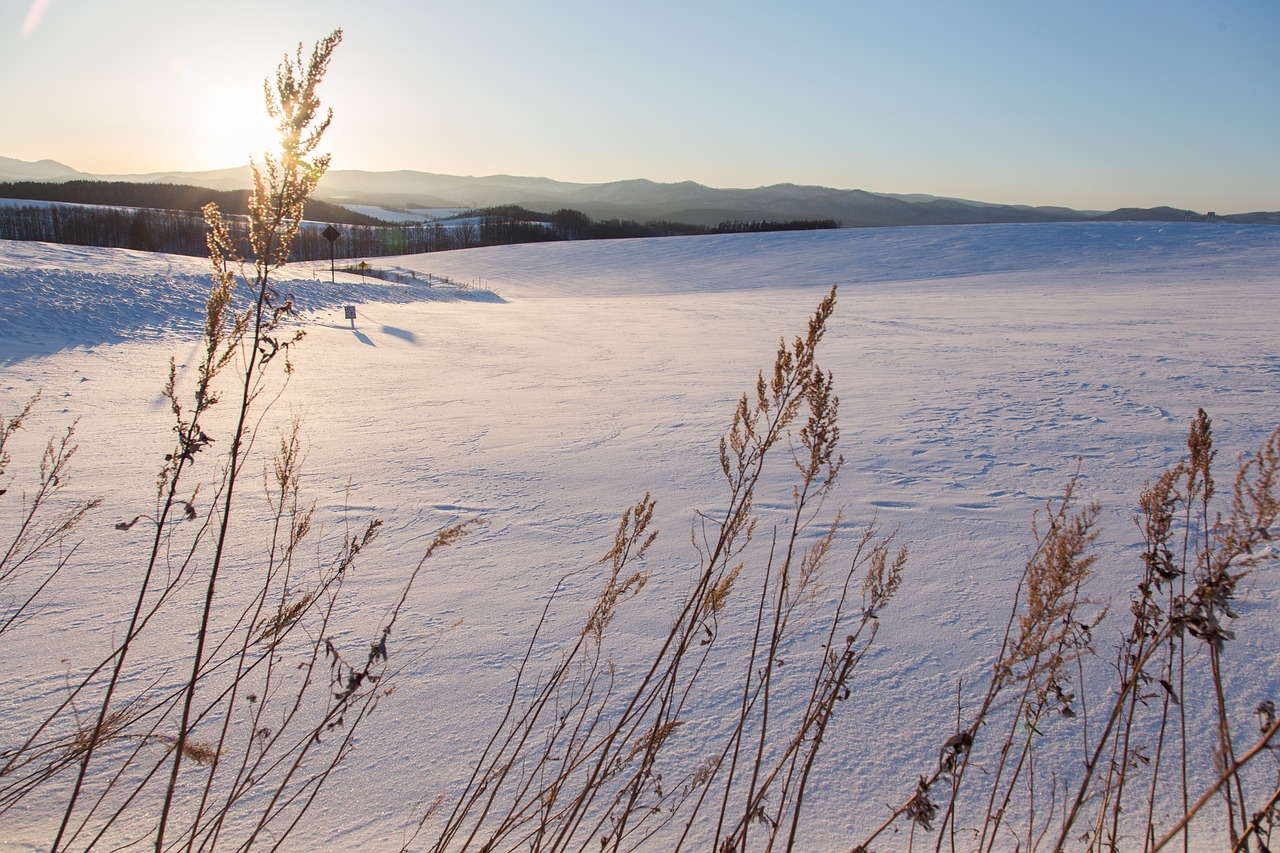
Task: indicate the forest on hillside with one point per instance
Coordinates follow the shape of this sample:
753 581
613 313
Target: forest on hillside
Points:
164 197
167 218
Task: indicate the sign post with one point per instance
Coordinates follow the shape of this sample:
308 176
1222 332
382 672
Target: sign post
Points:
350 312
331 234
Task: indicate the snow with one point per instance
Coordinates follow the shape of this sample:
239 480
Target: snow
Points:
978 368
416 215
58 296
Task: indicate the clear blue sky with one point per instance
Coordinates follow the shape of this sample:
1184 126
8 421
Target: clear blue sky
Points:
1092 105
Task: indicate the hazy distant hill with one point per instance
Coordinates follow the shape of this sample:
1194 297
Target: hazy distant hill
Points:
641 200
644 200
43 170
1167 214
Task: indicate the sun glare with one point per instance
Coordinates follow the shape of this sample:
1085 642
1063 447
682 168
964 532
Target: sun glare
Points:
239 128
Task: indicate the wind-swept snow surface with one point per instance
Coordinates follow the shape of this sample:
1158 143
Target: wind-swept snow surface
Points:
978 368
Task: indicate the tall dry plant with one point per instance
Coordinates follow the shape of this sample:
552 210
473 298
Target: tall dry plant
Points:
594 752
39 547
237 750
1127 785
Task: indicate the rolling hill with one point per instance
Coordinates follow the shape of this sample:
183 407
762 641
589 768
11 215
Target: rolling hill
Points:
639 199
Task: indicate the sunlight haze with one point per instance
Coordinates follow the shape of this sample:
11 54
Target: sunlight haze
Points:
1092 105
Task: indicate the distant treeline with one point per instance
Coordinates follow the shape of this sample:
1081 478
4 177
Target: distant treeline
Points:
514 224
164 197
180 232
135 219
174 231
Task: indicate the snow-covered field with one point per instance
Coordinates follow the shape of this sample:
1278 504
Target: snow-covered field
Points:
401 216
978 368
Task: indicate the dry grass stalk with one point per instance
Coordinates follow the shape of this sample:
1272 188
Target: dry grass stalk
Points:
1139 744
38 531
581 755
272 699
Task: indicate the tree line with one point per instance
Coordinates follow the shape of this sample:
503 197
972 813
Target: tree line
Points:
137 218
162 196
565 224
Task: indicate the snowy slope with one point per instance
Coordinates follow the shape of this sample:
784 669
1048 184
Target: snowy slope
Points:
978 367
58 296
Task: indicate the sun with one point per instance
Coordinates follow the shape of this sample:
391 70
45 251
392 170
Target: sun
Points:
237 128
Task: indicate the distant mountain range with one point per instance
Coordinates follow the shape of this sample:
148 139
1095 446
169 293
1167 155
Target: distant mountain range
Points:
640 200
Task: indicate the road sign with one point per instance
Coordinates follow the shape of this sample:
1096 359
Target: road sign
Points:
331 234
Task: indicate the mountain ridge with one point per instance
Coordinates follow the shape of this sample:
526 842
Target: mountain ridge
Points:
639 199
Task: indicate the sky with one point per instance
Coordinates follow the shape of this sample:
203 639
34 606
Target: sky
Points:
1086 104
